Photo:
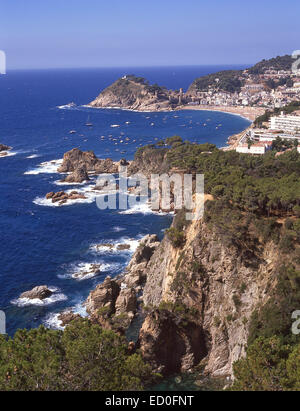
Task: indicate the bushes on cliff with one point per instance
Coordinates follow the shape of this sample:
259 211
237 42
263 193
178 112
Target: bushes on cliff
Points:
176 237
176 233
83 357
263 185
269 366
274 318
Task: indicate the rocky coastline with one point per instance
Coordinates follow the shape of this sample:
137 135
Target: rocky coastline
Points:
193 307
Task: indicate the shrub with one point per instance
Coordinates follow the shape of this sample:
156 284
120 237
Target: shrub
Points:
176 237
82 358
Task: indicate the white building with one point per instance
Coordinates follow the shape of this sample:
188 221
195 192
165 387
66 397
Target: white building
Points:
257 134
287 123
256 148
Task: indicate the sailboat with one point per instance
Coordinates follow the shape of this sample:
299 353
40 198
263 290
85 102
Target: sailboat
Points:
88 123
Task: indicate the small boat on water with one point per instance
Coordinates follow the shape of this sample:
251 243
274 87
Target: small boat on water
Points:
88 123
72 131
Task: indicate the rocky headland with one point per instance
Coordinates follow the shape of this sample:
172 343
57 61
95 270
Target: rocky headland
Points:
135 93
202 285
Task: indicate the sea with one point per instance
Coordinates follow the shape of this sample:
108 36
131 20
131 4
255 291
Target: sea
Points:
45 244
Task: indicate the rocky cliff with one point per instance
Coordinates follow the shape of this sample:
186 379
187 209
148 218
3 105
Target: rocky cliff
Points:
135 93
200 297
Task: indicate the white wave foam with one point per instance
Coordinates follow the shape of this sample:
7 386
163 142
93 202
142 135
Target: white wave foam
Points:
65 183
85 271
67 106
48 167
117 229
52 321
33 156
86 190
9 154
111 247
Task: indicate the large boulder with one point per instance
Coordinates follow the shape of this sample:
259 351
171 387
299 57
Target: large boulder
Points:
67 316
3 147
126 301
79 175
107 166
103 297
40 292
74 158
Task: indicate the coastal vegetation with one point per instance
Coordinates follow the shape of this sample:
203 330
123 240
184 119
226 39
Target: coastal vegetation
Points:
228 80
278 63
265 185
254 203
84 357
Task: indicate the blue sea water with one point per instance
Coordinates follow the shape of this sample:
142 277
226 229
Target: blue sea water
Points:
45 245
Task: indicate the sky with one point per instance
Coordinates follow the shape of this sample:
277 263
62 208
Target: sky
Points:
120 33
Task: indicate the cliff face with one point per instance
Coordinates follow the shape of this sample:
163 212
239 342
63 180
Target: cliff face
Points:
202 296
134 93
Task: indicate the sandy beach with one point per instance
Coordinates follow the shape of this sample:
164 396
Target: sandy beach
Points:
250 113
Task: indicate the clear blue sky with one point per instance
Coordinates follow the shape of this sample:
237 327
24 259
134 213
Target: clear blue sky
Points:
106 33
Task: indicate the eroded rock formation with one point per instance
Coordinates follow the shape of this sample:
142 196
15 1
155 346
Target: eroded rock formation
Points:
79 175
75 159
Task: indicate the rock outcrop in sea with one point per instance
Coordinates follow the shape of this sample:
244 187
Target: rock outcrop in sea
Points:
79 175
135 93
62 197
40 292
79 163
3 150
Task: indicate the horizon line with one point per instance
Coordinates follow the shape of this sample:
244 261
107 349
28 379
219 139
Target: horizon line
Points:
127 67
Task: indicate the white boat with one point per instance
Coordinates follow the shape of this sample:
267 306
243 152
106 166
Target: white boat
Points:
88 123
